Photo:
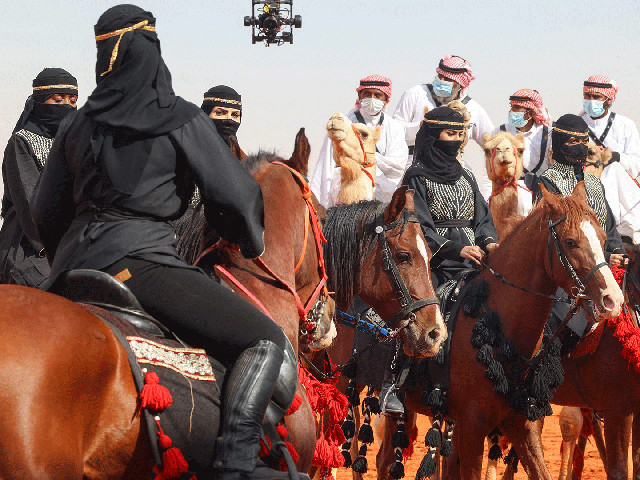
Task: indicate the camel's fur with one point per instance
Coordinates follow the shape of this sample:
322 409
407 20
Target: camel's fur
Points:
505 167
597 155
348 154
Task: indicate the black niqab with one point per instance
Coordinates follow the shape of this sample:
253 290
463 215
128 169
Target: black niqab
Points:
136 94
434 158
223 96
564 128
42 118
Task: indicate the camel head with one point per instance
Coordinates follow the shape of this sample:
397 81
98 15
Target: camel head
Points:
597 159
347 150
503 154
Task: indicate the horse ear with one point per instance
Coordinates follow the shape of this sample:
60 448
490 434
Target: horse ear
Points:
398 204
580 191
235 147
299 160
547 196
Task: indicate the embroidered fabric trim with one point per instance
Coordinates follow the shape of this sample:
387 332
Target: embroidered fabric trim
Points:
442 122
564 177
51 87
223 100
40 146
190 362
575 134
452 201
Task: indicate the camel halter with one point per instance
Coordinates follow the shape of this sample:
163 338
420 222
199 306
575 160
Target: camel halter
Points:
309 313
365 164
515 185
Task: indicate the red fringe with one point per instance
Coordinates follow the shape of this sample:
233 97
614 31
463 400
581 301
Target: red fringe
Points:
154 396
408 452
587 422
295 405
325 398
174 464
625 331
578 463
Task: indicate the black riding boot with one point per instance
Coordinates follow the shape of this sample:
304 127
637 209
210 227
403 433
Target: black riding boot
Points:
247 395
390 394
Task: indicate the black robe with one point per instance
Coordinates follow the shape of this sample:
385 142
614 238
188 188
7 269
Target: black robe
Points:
22 259
446 243
595 198
86 220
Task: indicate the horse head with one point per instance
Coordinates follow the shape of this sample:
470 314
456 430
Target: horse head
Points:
379 252
575 257
503 156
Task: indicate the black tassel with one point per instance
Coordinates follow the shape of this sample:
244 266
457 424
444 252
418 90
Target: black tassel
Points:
349 428
512 460
427 466
400 440
495 452
447 445
475 297
350 370
360 463
397 470
485 355
365 435
372 403
434 398
352 394
347 456
433 438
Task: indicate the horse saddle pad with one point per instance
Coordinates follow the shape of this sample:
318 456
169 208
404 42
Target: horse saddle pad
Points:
194 380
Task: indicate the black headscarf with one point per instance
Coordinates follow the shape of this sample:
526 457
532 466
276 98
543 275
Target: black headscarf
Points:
434 158
42 118
564 128
134 91
227 97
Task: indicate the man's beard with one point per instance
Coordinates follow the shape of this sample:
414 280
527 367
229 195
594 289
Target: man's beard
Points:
455 91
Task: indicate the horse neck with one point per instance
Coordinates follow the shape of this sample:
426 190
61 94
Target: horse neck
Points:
521 258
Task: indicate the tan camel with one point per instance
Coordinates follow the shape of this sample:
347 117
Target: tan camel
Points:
503 155
354 150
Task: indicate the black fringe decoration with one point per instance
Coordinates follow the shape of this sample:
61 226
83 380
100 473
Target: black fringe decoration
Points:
348 428
511 460
350 370
365 435
434 435
360 463
476 295
447 445
399 441
427 466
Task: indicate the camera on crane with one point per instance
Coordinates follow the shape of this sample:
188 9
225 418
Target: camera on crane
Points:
272 21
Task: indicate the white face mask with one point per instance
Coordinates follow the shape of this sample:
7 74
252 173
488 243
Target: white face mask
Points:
371 106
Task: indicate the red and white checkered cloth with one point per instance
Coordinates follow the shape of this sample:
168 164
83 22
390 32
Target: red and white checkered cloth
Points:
463 78
610 93
540 113
376 81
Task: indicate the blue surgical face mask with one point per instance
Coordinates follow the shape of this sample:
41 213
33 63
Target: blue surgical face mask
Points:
594 108
442 88
516 119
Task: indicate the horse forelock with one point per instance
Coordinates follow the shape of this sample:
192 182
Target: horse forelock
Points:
350 238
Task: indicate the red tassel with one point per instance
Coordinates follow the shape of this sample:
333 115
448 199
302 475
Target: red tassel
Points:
193 477
295 405
321 455
154 396
173 462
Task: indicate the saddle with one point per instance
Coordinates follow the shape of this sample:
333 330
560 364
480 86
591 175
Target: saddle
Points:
151 345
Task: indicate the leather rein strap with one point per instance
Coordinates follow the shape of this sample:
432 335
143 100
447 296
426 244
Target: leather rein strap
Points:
409 306
307 327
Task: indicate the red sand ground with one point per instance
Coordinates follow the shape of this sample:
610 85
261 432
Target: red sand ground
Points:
551 438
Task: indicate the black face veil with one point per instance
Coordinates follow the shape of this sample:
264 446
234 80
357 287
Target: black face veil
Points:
566 127
39 117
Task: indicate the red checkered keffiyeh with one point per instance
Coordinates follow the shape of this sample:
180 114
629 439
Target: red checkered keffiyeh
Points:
378 82
457 69
532 100
601 84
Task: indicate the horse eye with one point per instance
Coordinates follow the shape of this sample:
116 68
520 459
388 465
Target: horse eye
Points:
571 243
403 257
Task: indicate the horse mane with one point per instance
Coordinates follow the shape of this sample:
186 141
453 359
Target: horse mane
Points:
350 233
193 232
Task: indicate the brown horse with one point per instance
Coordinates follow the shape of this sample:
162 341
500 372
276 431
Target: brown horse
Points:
522 316
70 403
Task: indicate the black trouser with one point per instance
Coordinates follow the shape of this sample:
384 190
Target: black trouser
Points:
200 311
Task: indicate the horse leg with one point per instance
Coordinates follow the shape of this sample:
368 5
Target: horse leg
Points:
570 420
301 428
386 454
470 437
617 434
636 447
525 437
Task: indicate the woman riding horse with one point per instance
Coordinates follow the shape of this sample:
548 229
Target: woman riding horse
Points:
119 170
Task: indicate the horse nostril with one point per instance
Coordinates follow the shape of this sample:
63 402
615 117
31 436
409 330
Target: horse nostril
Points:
608 302
434 334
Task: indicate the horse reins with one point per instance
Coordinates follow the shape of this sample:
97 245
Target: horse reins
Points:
365 164
307 326
406 314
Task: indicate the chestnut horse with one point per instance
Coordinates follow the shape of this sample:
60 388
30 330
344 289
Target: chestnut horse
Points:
523 316
69 402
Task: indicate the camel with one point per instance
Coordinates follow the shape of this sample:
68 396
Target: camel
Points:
503 155
354 150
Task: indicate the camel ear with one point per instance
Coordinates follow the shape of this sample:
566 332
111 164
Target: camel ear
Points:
426 110
398 203
580 191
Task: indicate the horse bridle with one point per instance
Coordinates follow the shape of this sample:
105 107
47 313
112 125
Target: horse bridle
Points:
406 315
580 285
